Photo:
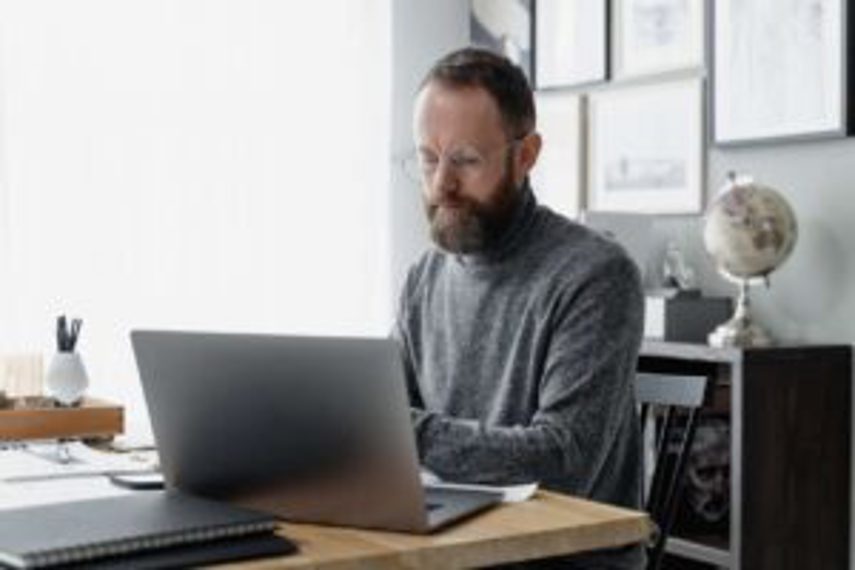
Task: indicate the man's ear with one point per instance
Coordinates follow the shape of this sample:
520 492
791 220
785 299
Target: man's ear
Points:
527 156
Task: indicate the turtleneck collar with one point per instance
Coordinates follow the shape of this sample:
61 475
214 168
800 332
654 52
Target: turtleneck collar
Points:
510 238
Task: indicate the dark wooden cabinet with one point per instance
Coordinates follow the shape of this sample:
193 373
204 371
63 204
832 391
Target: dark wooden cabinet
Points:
790 429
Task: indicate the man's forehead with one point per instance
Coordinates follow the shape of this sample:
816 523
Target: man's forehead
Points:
456 111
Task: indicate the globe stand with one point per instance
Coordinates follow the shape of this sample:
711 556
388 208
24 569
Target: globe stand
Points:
740 330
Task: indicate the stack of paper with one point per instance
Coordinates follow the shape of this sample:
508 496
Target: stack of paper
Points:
40 474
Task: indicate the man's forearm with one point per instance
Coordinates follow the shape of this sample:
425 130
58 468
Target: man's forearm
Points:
465 450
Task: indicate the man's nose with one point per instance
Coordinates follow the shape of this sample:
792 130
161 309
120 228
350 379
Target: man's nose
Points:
445 180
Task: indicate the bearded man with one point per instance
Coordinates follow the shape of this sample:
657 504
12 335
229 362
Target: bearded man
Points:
520 330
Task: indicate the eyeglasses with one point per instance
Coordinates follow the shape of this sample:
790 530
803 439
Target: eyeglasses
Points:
421 165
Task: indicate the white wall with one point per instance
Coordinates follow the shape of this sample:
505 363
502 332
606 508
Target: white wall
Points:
421 33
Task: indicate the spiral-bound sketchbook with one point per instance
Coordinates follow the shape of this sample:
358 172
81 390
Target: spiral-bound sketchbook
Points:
81 531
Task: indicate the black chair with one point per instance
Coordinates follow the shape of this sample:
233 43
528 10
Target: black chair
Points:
675 402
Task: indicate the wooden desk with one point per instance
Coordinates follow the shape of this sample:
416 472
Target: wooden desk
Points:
547 525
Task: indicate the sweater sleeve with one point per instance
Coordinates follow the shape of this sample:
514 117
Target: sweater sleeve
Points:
403 338
584 396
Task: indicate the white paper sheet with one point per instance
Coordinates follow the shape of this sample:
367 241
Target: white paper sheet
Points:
510 493
35 474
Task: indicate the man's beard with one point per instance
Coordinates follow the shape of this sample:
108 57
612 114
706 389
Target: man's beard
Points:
462 225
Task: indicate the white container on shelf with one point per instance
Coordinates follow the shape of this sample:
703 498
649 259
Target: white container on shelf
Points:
66 378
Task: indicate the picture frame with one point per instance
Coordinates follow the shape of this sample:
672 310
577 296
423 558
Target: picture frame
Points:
646 151
781 71
658 36
506 27
558 177
571 42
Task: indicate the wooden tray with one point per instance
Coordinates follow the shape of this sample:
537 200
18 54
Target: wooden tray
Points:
34 418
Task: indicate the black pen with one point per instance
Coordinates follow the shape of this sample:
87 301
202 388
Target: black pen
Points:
76 324
60 333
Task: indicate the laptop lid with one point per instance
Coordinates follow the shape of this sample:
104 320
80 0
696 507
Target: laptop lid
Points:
309 428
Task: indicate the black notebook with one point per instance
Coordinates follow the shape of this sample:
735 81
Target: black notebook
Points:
80 531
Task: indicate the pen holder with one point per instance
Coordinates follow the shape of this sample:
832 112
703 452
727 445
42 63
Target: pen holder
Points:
66 378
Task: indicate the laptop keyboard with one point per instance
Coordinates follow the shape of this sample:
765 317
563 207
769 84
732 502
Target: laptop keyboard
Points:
432 506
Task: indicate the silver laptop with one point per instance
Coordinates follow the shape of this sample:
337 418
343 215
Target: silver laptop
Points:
312 429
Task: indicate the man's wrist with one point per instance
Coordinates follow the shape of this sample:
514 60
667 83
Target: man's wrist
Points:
420 419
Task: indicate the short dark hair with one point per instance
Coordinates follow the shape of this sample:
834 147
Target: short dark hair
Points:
505 82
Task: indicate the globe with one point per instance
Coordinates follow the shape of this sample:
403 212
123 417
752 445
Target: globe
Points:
749 230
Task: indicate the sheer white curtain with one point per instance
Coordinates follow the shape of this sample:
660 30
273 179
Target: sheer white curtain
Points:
202 164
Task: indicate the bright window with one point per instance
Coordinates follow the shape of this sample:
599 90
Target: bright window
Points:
191 164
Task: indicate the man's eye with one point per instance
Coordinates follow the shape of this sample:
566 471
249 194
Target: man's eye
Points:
466 161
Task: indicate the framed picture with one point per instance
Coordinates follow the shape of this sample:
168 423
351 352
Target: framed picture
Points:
503 26
558 177
655 36
646 150
780 70
571 42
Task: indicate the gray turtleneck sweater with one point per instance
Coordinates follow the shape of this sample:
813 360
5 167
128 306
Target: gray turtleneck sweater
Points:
520 362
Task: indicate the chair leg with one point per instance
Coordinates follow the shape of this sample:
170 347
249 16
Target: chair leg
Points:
671 499
655 498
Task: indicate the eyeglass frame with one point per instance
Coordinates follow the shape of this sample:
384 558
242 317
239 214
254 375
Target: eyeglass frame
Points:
413 167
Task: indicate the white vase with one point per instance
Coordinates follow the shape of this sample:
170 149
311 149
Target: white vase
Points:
66 378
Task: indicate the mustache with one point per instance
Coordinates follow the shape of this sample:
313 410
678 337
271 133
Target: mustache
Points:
452 202
458 206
